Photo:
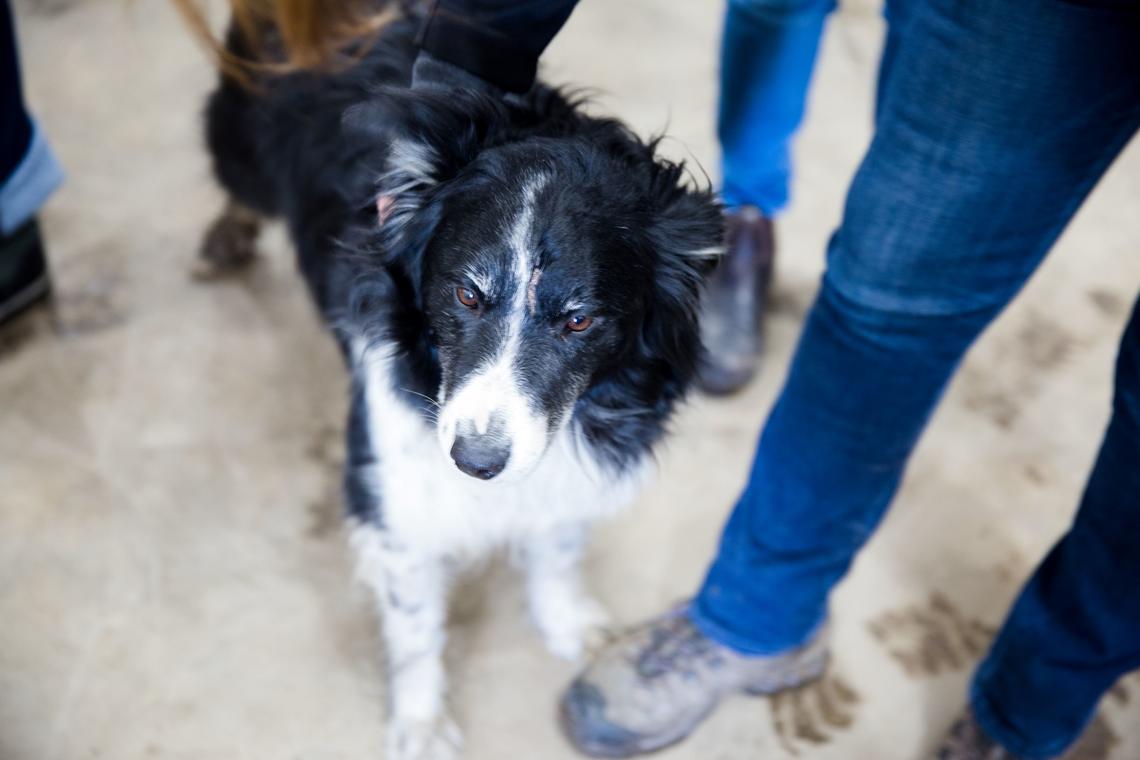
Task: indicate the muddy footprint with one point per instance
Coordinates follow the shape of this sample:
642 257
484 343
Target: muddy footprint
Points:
812 715
930 639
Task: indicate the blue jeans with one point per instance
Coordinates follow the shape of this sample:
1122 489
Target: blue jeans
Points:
29 172
995 120
768 51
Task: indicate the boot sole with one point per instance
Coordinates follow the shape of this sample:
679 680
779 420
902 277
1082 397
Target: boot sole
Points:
35 291
647 747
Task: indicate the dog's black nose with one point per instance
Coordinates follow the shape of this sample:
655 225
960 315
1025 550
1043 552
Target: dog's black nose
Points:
480 456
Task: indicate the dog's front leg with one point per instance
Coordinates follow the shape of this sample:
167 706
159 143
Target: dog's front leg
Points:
569 618
230 245
411 591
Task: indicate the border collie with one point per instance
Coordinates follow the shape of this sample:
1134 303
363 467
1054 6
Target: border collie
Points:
515 287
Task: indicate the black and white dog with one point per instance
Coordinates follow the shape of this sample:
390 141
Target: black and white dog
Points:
515 286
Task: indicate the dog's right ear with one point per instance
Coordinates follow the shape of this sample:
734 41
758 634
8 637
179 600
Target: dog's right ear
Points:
419 139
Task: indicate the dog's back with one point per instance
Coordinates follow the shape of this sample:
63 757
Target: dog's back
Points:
277 146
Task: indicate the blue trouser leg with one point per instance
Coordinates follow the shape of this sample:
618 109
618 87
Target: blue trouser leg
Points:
28 169
768 52
994 123
1075 629
15 126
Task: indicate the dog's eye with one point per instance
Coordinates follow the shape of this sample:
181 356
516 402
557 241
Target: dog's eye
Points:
467 297
579 323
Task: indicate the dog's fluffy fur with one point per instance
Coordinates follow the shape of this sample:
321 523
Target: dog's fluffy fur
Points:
515 287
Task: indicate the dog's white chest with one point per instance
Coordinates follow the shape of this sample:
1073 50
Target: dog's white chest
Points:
427 501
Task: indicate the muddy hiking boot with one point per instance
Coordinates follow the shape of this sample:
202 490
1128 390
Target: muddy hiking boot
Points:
732 317
652 685
23 271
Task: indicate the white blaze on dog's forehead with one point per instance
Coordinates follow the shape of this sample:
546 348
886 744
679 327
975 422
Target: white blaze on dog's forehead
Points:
521 236
532 290
526 274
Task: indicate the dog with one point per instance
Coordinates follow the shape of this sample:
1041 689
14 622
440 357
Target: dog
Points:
515 287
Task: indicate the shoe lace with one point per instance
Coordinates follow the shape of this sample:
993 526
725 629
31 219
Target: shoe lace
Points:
676 646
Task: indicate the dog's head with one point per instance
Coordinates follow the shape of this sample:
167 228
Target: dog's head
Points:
549 253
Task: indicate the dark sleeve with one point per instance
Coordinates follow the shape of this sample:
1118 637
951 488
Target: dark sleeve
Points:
496 40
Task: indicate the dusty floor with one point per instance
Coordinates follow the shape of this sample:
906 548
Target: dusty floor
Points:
173 582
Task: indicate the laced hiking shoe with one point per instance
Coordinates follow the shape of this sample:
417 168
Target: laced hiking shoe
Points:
649 687
735 301
967 741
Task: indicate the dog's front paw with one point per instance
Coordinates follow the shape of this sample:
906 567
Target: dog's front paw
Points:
423 739
575 627
230 245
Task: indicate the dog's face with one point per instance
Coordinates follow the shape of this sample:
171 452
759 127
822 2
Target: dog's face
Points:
544 264
529 292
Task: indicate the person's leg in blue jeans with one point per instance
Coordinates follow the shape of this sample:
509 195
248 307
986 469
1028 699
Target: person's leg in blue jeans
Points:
28 175
995 121
1075 628
15 127
768 52
767 56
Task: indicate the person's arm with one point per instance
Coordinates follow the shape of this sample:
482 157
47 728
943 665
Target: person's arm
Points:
497 41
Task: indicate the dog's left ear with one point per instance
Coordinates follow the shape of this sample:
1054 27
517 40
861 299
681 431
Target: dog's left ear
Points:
417 140
686 236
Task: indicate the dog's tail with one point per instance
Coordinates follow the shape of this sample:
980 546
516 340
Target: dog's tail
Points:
281 36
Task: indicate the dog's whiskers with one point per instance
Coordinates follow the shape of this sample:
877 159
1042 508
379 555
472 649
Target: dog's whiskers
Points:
428 399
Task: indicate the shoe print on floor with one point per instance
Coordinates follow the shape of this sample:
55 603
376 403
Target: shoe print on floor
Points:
936 638
813 714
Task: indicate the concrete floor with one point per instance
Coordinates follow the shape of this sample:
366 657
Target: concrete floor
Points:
173 581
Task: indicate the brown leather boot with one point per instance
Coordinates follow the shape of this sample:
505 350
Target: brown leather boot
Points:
734 304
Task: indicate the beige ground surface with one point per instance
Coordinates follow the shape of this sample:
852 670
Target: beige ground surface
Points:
173 582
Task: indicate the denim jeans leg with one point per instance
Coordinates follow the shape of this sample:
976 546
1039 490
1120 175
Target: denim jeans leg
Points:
768 52
15 125
29 172
1075 628
896 13
995 123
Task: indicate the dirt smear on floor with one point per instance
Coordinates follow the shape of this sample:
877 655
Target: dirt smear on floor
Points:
326 511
